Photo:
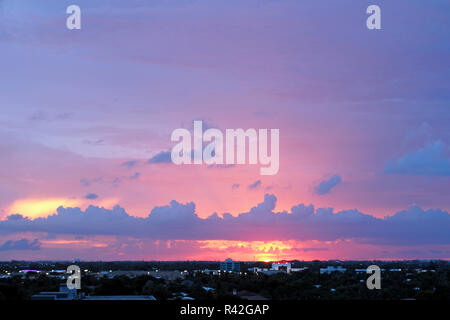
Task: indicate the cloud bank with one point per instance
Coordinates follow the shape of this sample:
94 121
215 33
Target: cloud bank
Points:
178 221
22 244
430 160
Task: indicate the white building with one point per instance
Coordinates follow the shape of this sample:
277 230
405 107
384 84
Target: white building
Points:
277 267
282 266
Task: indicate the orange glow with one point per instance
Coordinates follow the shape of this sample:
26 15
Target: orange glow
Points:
34 208
107 202
84 243
265 251
64 242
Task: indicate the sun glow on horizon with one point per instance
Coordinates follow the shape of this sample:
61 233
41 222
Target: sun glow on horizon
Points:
264 251
43 207
34 208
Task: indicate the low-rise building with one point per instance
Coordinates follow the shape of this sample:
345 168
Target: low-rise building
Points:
331 269
64 293
278 267
119 298
230 265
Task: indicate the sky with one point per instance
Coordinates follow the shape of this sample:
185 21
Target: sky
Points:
87 116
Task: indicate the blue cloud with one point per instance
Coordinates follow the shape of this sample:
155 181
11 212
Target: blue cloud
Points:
15 216
129 164
430 160
91 196
135 176
325 186
22 244
178 221
162 157
255 185
87 182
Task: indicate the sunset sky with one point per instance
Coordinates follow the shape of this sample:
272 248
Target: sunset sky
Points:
87 115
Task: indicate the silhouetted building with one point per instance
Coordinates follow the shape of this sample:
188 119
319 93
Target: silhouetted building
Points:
230 265
331 269
119 298
64 293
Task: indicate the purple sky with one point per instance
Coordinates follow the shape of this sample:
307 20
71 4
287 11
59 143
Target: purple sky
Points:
87 117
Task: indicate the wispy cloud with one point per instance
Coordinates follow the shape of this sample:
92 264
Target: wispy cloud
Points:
129 164
325 186
255 185
22 244
162 157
